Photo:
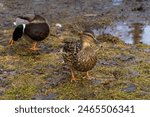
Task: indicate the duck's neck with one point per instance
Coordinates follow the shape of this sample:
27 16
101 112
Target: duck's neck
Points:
86 41
85 45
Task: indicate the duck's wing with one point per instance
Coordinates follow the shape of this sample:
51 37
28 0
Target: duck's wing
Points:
70 49
38 19
72 46
85 60
19 21
28 17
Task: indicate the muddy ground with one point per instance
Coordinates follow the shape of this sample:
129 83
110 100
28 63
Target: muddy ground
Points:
123 67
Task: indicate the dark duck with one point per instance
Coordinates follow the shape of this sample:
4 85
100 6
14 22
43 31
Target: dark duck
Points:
34 27
80 55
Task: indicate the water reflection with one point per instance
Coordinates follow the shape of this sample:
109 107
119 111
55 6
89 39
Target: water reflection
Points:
122 30
130 33
136 32
117 2
146 35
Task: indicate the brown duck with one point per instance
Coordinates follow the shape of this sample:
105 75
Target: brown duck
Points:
80 54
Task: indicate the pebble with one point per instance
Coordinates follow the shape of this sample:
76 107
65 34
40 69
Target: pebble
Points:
132 74
147 50
107 63
2 90
50 96
55 81
3 82
125 57
96 81
130 88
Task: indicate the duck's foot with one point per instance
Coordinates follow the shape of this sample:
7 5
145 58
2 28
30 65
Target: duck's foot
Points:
11 42
88 77
74 79
34 48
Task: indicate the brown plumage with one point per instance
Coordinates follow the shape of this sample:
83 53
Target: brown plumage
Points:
80 54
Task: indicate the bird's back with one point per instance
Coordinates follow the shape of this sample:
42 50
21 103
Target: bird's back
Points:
37 31
78 58
70 50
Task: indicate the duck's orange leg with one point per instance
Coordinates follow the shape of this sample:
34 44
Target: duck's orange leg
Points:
11 41
88 76
34 48
73 79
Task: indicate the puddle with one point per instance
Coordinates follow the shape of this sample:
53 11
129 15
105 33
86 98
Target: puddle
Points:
130 33
117 2
146 35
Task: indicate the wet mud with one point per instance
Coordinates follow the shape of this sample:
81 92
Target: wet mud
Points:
122 28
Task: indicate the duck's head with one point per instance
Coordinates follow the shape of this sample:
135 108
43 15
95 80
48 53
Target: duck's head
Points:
88 38
17 34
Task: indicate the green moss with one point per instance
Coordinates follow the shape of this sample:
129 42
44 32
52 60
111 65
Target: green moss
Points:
118 66
22 87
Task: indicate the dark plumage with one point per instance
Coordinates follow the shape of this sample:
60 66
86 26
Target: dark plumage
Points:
37 32
80 55
18 32
34 27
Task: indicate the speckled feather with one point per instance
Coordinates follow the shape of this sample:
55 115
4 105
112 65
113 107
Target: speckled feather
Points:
78 58
70 49
85 60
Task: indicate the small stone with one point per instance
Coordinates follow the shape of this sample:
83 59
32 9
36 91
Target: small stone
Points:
3 82
130 88
125 57
5 72
96 81
54 81
2 90
132 74
103 62
1 66
143 93
147 50
107 63
50 96
1 71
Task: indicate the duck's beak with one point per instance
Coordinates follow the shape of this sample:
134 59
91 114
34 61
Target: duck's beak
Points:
11 41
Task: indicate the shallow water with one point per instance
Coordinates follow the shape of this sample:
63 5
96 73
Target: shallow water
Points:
117 70
130 33
117 2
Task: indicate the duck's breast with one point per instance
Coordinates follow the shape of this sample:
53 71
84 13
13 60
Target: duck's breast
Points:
85 60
